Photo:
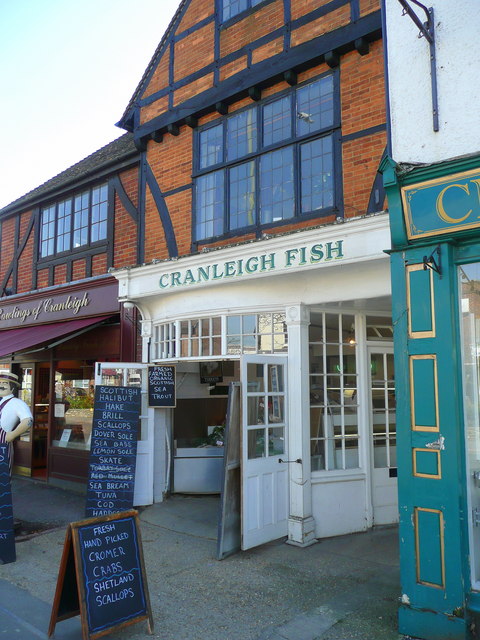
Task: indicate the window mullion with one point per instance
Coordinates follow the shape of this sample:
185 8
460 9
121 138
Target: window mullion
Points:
90 216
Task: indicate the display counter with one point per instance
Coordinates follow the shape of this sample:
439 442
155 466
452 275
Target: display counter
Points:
198 469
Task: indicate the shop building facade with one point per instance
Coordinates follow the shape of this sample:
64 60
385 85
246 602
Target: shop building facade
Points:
261 127
245 230
59 308
432 177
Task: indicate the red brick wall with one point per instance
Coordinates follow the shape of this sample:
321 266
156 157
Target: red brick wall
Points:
79 269
160 77
99 264
193 52
362 90
25 262
362 107
60 274
252 27
322 25
198 10
125 245
368 6
42 279
8 245
125 231
302 7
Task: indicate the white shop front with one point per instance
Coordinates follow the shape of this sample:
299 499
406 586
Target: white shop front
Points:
302 322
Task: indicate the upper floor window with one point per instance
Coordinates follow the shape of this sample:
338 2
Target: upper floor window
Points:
75 222
268 163
231 8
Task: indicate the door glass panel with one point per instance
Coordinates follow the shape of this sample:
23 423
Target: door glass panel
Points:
275 378
256 443
265 406
112 377
469 291
276 441
256 410
376 367
276 409
382 395
255 380
351 453
25 394
134 378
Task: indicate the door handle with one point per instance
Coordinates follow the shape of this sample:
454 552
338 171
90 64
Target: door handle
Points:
298 460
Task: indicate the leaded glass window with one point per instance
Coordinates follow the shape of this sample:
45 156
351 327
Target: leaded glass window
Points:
268 163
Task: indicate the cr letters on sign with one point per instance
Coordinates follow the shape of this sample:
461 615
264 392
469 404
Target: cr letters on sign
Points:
472 189
442 205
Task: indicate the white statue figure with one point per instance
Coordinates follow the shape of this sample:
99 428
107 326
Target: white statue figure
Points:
15 415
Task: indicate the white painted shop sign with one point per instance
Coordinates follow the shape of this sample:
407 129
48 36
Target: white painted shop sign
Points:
254 264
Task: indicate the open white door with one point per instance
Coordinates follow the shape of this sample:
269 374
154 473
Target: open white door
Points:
134 374
383 433
264 445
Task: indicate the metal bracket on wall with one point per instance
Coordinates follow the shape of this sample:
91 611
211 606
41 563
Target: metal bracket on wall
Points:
429 262
427 31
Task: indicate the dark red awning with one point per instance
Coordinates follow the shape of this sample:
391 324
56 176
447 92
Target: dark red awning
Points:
12 340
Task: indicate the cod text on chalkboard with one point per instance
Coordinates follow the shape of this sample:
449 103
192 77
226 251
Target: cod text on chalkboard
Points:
161 385
102 576
113 451
7 538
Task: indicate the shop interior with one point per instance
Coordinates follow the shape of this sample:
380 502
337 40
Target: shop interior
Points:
61 396
199 424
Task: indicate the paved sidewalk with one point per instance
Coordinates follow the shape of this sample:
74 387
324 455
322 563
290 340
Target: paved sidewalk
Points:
338 589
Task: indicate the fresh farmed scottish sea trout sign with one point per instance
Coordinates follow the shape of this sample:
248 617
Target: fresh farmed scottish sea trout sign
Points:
113 450
161 385
102 576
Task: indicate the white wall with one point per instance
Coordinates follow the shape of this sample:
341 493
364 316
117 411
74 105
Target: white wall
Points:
457 25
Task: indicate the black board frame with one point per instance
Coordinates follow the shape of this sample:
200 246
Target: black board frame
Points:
157 403
70 595
7 543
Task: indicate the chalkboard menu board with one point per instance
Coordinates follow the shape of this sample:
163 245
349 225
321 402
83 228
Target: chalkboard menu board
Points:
113 450
102 576
7 538
161 385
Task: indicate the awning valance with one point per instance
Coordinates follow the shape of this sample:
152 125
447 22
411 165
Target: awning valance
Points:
12 340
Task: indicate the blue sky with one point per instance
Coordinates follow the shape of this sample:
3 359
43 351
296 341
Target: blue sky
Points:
67 71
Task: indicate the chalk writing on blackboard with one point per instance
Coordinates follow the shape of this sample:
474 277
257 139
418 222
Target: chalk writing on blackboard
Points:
102 576
113 450
7 538
161 386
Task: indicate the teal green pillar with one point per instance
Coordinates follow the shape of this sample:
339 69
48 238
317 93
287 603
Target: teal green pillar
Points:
432 220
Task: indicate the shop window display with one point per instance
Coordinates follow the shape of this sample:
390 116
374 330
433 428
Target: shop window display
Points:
73 407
